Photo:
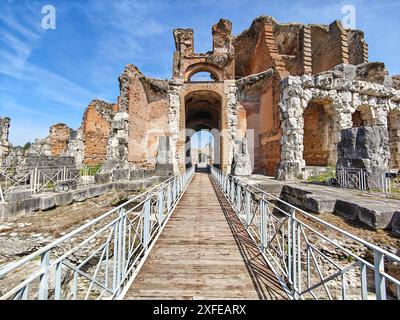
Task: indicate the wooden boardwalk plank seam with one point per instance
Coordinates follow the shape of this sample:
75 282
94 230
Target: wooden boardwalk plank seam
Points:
204 253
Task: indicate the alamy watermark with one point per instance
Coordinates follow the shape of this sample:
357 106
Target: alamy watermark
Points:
49 20
349 19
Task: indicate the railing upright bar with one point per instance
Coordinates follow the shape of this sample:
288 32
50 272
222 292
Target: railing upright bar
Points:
44 278
379 267
146 223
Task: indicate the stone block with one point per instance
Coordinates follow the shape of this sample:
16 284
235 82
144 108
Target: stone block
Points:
80 195
26 206
47 203
395 224
319 204
101 178
377 219
164 170
134 186
17 196
66 185
120 174
347 209
64 198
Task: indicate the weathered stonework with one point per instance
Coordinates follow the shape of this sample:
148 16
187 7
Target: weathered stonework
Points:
365 148
5 145
287 89
117 149
341 96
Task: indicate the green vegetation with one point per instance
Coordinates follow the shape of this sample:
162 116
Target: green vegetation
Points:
330 173
27 146
90 170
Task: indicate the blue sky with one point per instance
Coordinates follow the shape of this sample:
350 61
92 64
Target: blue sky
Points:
50 76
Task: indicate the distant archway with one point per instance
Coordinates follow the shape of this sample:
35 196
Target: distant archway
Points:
203 113
202 148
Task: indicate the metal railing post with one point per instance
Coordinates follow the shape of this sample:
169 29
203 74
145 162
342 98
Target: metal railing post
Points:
263 225
160 203
232 195
169 197
248 208
58 281
379 267
120 246
44 278
146 223
238 196
293 249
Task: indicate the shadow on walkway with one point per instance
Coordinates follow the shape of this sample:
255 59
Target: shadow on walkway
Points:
265 282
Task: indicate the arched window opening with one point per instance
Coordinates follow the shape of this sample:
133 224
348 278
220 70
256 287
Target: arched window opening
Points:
202 76
363 116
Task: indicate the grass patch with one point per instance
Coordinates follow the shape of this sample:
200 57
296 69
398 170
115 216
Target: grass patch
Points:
330 173
90 170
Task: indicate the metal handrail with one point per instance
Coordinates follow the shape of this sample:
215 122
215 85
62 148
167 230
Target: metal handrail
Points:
103 255
39 178
296 246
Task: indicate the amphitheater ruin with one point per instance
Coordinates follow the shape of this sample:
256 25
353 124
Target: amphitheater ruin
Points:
296 110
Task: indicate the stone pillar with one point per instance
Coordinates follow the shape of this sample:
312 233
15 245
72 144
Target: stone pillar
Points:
117 149
292 148
164 166
175 90
365 148
5 145
241 159
229 136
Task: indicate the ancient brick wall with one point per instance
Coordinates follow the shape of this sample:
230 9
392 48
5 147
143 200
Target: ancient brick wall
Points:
146 102
357 47
317 133
329 46
96 126
60 134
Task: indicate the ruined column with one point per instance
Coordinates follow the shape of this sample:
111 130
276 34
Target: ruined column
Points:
164 166
4 132
117 149
229 136
241 159
175 90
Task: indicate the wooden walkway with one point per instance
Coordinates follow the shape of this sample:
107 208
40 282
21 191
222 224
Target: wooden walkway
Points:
204 253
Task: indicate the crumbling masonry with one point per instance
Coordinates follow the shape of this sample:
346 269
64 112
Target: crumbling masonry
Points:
279 100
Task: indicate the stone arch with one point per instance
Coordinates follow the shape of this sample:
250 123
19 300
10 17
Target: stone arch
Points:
215 71
394 137
319 132
364 115
203 106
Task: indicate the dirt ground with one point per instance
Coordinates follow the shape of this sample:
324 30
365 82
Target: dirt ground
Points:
22 235
381 238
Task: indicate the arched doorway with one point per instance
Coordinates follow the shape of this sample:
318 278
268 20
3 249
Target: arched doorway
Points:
202 148
319 147
203 117
202 76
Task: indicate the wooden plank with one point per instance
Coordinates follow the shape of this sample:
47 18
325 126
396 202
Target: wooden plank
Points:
201 255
